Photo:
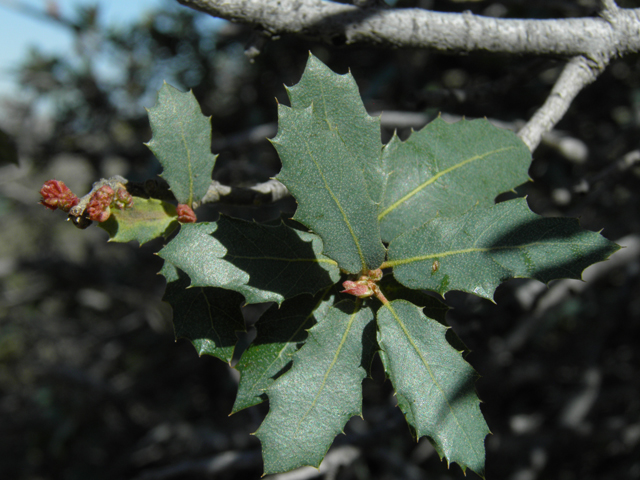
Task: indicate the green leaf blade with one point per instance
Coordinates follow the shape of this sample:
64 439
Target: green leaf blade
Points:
337 103
147 219
182 143
330 189
262 262
280 331
435 387
487 246
208 317
445 169
311 403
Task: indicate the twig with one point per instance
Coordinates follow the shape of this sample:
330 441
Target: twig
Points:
577 74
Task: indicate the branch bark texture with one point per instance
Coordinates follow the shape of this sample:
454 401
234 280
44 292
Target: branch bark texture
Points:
616 33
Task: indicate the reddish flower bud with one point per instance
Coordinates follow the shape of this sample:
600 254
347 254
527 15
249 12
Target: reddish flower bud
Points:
122 199
185 213
361 288
56 194
98 208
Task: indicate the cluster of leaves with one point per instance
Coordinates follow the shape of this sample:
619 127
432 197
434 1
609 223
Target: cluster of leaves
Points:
388 221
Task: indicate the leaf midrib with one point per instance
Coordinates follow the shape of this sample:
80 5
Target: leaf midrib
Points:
333 362
186 147
339 205
431 180
431 374
287 342
421 258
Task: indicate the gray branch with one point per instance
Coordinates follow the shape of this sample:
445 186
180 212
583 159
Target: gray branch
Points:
591 42
613 33
576 75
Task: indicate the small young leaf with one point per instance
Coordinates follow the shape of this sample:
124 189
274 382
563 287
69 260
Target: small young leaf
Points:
478 251
147 219
208 317
281 331
446 169
434 386
310 404
264 263
182 143
338 104
332 196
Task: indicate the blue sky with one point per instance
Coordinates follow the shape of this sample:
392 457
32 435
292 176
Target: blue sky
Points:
19 31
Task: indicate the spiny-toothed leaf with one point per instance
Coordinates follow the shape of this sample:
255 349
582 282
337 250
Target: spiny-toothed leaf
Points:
208 317
262 262
182 143
147 219
434 386
478 251
445 169
310 404
337 102
280 332
432 307
320 172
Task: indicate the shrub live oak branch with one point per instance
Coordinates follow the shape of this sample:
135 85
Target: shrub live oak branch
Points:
375 226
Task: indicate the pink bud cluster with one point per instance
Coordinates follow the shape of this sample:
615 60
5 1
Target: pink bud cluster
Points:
104 199
56 194
365 286
185 213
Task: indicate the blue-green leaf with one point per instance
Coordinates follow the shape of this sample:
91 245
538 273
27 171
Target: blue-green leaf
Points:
434 386
182 143
478 251
310 404
262 262
208 317
280 332
445 169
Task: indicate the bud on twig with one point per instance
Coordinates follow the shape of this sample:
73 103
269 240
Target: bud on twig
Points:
56 194
185 213
99 206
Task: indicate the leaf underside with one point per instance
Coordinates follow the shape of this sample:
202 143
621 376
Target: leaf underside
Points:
262 262
182 143
445 169
208 317
147 219
479 250
434 386
310 404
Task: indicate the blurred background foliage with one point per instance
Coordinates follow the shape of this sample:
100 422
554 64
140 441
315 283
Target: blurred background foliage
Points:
92 384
